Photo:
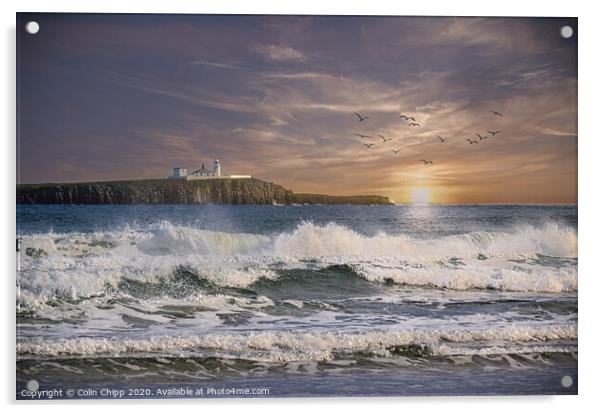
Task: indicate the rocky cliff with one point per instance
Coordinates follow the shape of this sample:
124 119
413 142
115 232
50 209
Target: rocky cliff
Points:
341 199
169 191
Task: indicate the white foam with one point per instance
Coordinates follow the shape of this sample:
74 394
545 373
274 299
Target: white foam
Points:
477 275
78 265
303 346
309 240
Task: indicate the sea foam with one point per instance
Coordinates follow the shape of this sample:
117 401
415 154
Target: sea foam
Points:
283 346
70 266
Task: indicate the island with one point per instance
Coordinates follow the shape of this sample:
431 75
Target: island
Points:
226 191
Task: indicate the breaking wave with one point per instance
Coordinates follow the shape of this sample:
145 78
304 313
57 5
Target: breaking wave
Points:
280 346
71 266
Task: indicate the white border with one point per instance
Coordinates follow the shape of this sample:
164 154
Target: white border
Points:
590 231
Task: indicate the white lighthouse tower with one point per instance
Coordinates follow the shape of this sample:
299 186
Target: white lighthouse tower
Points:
217 167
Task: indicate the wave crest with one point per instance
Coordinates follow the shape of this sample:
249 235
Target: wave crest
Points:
75 265
309 240
279 346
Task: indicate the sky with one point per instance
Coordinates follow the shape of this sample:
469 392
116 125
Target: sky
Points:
110 97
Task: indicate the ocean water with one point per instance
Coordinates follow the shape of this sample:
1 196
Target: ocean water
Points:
273 301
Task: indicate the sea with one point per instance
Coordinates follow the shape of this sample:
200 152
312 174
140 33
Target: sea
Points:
165 301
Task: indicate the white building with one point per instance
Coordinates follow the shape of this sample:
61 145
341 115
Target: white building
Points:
214 173
179 172
217 167
202 172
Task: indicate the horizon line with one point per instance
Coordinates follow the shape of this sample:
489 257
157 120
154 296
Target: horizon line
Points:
393 203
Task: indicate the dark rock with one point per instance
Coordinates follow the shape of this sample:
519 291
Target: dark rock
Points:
171 191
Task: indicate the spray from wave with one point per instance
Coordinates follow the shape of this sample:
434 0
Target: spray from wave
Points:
71 266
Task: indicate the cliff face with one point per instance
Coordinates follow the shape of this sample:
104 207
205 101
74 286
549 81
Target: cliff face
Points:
157 191
168 191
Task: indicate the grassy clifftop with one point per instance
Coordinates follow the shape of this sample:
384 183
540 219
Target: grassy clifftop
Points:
169 191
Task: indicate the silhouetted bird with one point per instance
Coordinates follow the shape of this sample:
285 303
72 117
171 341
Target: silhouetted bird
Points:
441 139
471 141
395 151
426 162
496 113
360 118
414 124
494 132
368 145
481 137
385 140
362 136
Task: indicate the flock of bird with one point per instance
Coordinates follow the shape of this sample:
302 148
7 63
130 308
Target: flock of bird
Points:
412 123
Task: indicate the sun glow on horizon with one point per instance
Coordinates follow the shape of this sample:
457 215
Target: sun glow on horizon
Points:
420 195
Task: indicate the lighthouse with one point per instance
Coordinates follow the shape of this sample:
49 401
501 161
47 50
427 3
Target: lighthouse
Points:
213 172
217 167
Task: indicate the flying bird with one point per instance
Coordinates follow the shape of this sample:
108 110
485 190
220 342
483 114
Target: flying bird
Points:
414 124
494 132
496 113
402 116
362 136
426 162
395 151
368 145
471 141
385 140
481 137
360 118
441 139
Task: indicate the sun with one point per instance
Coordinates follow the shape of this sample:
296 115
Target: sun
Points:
420 196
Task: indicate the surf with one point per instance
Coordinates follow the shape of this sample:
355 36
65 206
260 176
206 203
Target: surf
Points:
283 346
69 266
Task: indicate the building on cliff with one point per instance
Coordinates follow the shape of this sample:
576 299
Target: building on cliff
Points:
214 173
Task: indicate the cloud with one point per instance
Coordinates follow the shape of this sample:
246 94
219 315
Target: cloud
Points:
496 35
280 53
194 95
247 92
428 106
302 76
221 65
